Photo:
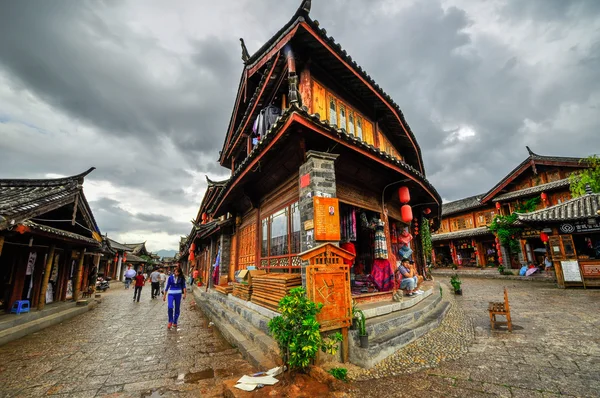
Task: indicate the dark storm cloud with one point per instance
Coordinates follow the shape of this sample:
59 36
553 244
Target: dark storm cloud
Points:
444 77
474 97
100 71
114 219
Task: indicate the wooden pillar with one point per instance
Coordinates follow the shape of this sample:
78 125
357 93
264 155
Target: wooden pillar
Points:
77 284
49 261
38 274
345 345
480 254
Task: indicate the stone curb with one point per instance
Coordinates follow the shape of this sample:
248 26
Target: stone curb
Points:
491 276
36 325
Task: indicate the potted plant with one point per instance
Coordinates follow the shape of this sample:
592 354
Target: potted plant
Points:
456 282
362 330
355 315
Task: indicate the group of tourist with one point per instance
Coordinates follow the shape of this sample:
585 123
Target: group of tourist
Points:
170 286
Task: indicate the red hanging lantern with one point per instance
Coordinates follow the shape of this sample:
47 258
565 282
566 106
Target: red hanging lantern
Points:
192 257
544 196
404 195
497 240
427 210
193 247
204 218
406 212
124 257
498 205
116 257
500 260
544 237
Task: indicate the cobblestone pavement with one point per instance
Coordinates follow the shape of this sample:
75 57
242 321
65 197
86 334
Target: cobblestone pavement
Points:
121 349
450 340
554 349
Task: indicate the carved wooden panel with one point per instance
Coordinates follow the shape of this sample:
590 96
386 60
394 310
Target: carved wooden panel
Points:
247 243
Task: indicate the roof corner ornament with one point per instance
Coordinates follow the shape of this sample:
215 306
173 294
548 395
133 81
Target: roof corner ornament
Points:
530 151
245 53
306 6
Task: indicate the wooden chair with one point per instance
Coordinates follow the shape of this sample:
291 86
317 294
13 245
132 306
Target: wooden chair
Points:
500 308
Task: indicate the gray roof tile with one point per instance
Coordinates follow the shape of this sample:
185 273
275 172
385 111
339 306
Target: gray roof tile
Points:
580 208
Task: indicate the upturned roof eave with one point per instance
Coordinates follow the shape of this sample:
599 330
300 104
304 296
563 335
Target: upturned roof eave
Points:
292 114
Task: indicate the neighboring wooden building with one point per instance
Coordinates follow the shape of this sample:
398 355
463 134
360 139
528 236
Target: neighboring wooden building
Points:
574 238
49 240
464 238
326 166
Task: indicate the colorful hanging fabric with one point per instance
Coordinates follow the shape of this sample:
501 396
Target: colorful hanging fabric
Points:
382 275
349 247
380 241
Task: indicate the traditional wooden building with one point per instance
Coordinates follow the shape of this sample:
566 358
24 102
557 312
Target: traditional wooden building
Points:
49 240
573 229
464 238
318 152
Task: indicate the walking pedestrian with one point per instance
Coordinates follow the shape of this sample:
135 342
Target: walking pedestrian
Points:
129 275
139 284
155 282
163 280
175 290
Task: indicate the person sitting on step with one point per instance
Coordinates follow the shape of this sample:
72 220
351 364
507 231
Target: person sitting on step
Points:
408 282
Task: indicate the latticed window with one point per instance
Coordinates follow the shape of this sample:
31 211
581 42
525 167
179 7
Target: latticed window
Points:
247 246
280 239
332 111
351 122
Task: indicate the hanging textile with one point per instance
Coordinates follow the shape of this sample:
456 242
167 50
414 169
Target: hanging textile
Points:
380 241
216 268
349 247
382 275
348 224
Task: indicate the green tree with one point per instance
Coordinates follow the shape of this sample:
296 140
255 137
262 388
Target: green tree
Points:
507 232
589 176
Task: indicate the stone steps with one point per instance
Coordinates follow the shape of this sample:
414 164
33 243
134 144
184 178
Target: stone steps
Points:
241 326
390 332
383 324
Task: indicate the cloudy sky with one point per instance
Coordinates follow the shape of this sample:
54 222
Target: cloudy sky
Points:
143 90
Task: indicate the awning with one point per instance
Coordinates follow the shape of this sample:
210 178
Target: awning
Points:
467 233
50 232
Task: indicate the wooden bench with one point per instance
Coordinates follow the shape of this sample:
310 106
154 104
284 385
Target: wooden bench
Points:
500 308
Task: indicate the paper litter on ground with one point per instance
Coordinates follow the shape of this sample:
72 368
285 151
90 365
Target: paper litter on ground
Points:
266 380
249 383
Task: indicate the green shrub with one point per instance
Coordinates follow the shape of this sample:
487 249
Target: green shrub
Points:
455 282
339 373
297 333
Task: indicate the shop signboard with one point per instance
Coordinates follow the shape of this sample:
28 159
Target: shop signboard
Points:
531 233
571 272
591 270
326 219
578 227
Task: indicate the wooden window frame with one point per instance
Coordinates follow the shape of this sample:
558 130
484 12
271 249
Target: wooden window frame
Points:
289 256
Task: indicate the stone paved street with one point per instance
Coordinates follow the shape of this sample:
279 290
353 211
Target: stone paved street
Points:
554 349
121 349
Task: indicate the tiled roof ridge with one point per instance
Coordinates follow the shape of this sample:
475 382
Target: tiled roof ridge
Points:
560 205
531 190
48 182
